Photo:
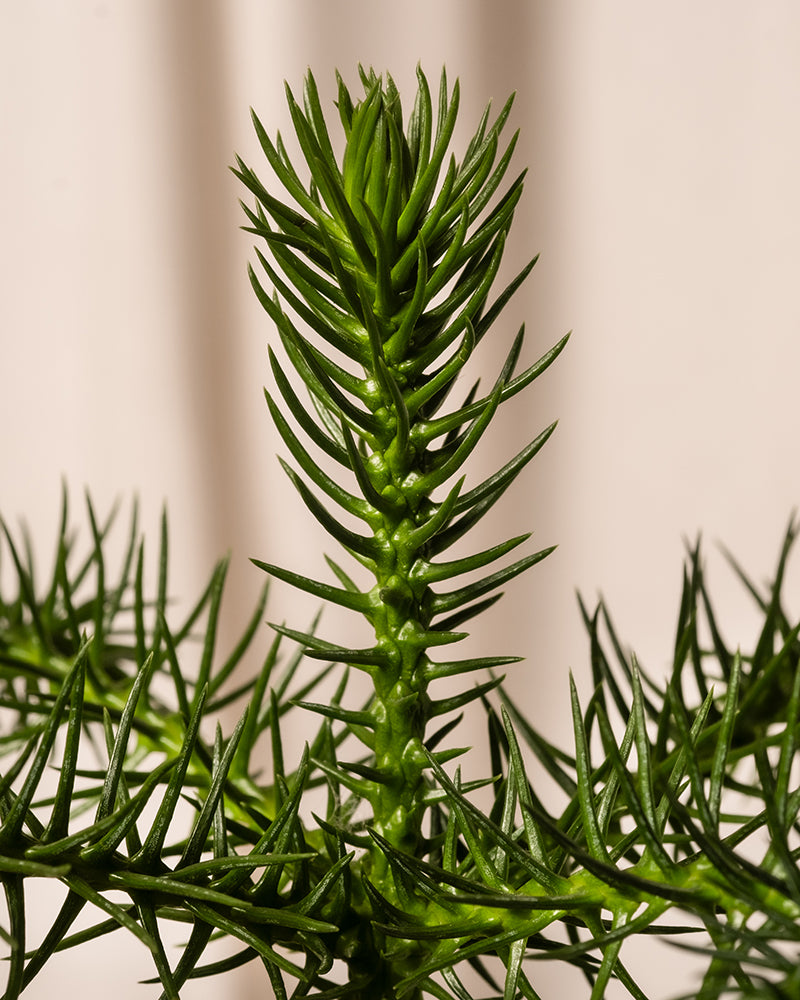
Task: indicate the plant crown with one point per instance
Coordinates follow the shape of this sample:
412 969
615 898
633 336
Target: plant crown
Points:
678 801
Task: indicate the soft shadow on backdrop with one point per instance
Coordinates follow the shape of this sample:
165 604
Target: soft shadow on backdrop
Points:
663 152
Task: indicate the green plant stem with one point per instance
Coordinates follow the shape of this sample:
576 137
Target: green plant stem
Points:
403 267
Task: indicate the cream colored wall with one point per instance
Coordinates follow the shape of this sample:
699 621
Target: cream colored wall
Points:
664 153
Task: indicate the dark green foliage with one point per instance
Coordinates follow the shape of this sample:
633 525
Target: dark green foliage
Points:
678 800
126 728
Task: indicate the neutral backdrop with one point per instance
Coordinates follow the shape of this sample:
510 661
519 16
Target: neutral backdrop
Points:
663 153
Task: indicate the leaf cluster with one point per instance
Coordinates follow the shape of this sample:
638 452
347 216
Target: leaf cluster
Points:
151 800
678 813
370 867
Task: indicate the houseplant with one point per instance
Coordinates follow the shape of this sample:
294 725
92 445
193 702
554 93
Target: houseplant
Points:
369 867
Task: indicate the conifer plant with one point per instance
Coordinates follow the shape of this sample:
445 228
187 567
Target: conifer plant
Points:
376 266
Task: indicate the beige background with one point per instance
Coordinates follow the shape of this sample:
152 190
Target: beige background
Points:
664 153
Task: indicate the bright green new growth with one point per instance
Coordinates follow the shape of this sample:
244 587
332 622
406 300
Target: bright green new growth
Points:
679 803
391 266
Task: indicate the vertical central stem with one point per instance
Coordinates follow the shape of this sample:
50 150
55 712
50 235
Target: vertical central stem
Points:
401 702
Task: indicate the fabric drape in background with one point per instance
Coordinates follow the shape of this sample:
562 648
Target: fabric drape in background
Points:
663 152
